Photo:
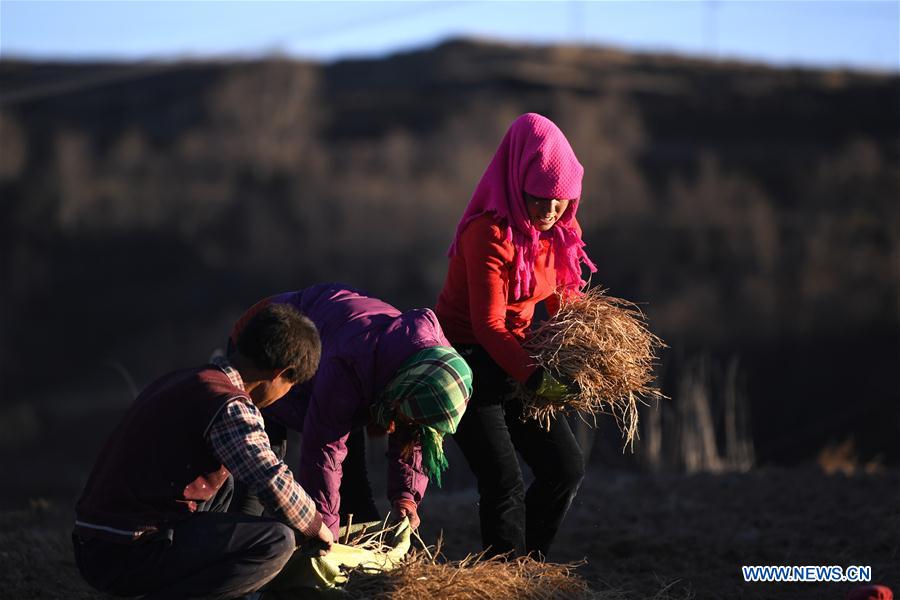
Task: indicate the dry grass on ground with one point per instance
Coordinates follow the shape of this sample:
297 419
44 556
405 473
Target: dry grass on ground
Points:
424 575
669 537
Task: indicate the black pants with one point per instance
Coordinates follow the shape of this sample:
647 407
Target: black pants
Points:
355 491
490 433
211 554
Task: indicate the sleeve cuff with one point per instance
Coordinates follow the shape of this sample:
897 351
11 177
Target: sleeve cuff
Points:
401 496
312 529
534 380
406 503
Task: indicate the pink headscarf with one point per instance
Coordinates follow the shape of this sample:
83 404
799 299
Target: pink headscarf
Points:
534 157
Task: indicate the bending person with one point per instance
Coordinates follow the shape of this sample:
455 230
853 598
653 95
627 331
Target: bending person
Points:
391 370
517 244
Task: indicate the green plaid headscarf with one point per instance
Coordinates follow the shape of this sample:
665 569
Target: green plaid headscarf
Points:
432 388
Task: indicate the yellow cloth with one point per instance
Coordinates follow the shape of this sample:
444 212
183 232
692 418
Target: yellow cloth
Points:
328 573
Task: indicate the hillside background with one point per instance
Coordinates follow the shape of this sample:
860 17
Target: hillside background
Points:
753 213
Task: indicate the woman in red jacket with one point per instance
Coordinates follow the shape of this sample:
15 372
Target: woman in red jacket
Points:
517 244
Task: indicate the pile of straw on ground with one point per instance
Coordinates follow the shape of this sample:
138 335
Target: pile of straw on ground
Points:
426 575
603 344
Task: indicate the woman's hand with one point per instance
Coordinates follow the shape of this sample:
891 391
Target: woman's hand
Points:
407 508
554 387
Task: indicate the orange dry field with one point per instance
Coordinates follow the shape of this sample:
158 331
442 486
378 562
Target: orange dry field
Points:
642 536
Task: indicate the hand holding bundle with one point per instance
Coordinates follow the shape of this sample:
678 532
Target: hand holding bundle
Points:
594 356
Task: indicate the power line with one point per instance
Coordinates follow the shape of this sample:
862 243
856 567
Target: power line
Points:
577 19
365 21
147 68
711 27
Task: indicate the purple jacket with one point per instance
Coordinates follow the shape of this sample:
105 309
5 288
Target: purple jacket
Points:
364 342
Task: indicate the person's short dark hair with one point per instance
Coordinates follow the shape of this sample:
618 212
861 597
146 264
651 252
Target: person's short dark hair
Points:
280 337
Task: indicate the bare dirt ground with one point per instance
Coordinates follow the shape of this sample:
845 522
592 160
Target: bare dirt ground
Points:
642 536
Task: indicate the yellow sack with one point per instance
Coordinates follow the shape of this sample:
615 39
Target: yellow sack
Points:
327 573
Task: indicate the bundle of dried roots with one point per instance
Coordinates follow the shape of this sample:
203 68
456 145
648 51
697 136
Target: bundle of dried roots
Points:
425 574
603 344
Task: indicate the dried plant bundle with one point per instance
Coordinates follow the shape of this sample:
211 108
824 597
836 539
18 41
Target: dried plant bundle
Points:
603 344
426 573
429 575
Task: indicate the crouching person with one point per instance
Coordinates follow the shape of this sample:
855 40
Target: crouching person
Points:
152 518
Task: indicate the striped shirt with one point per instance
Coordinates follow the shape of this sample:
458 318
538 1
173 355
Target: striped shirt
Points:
238 438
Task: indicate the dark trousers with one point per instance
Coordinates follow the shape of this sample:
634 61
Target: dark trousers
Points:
211 554
355 491
489 435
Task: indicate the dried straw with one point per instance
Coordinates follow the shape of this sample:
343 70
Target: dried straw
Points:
424 575
603 344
